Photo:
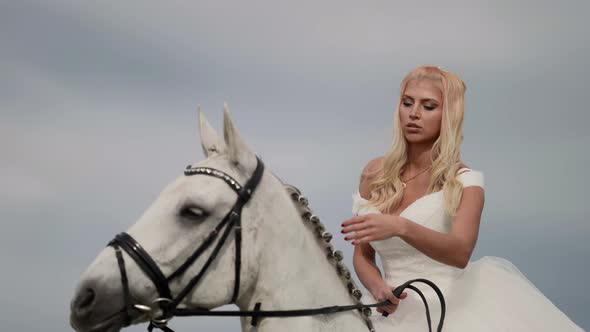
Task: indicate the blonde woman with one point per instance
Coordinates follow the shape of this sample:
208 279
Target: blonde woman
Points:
419 207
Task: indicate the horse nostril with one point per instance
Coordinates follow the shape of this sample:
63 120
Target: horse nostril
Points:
88 298
85 300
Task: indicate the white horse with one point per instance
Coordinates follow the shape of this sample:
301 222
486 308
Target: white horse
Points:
286 259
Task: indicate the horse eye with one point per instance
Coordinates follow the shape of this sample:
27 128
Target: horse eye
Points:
192 212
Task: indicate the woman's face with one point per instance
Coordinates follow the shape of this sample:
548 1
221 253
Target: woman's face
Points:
421 104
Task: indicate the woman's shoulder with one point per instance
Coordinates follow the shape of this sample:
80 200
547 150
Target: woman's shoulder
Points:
367 174
372 166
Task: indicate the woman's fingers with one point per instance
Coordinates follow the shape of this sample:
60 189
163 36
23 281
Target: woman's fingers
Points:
393 299
390 309
353 220
362 240
357 235
354 228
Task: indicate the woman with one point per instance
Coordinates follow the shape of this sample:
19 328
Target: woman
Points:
419 207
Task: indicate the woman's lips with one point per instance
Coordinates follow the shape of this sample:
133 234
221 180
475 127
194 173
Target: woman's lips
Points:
413 129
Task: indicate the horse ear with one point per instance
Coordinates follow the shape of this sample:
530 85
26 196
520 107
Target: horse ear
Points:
210 141
238 151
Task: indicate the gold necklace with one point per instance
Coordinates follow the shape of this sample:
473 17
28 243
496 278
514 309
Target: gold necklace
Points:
408 180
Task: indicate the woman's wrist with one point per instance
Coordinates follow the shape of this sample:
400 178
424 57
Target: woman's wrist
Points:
403 226
376 286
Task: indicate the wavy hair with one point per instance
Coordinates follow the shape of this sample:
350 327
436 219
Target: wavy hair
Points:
385 185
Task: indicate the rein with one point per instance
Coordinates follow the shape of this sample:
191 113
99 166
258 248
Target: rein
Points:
165 307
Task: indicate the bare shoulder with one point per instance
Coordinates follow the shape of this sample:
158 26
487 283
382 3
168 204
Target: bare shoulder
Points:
371 167
367 174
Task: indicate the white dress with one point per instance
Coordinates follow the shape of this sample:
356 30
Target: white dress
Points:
490 294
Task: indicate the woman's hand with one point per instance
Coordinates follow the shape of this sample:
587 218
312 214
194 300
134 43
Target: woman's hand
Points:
385 292
373 227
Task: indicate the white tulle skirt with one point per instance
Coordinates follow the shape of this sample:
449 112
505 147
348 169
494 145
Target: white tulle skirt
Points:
490 295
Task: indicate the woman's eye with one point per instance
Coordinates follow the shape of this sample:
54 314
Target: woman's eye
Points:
429 107
193 213
407 104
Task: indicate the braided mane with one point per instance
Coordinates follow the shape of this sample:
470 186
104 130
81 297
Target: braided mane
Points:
333 256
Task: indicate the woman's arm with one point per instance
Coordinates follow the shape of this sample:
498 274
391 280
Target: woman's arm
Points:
453 248
366 268
363 259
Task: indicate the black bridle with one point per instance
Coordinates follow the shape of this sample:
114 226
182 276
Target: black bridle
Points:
165 307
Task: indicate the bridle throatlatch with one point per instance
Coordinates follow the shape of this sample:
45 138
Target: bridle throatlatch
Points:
165 307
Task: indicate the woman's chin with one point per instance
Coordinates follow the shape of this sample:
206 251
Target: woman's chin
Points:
418 138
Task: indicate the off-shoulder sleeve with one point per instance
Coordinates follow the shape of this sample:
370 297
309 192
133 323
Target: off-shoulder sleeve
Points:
361 206
471 178
356 203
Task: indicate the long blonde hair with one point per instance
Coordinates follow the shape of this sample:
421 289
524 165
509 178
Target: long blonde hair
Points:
386 185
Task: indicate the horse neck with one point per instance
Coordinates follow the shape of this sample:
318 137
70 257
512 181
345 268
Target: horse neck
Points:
293 271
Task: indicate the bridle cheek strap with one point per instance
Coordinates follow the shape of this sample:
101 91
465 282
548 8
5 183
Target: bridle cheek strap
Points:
125 282
238 239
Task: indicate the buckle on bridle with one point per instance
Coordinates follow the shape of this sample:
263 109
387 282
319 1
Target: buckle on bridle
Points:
154 309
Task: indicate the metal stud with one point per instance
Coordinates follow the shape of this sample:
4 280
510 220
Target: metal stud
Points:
331 251
320 229
314 219
343 271
350 285
356 293
368 312
327 236
303 200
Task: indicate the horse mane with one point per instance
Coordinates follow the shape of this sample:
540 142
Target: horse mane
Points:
323 237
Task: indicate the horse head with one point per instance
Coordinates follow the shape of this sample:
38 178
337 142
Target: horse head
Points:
162 243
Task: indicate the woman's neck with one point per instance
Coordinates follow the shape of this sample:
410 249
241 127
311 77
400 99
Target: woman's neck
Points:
419 156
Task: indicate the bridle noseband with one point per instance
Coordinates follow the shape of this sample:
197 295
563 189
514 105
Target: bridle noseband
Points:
166 302
165 307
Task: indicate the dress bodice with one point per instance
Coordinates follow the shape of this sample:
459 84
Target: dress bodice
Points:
400 260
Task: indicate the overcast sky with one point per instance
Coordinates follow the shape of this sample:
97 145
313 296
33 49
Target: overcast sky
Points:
98 113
